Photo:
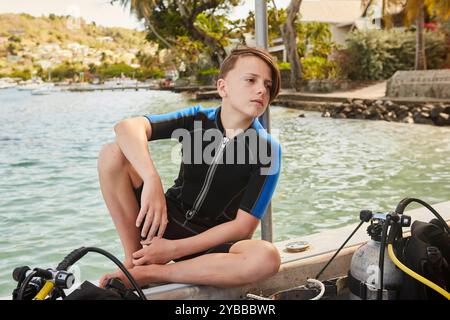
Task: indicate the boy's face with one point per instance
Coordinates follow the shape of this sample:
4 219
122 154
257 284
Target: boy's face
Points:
246 87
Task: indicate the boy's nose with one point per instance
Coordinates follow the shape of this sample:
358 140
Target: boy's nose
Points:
262 88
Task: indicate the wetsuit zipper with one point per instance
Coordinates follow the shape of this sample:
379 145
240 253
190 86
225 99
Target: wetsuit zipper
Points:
208 180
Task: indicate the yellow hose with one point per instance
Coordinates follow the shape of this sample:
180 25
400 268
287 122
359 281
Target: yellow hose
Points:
46 289
416 276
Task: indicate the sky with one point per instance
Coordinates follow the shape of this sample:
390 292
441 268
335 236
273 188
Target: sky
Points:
100 11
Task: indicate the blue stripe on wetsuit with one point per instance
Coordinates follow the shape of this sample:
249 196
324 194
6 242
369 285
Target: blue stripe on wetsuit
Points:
270 183
174 115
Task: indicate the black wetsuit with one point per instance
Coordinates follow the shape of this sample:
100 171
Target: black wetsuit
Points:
217 175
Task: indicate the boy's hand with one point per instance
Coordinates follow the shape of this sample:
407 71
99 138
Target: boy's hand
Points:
158 251
153 209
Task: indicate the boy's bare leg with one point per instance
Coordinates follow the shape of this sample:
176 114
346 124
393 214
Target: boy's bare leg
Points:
248 261
117 180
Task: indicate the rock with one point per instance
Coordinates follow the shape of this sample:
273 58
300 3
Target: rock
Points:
340 116
447 110
402 112
378 103
436 110
359 105
301 115
375 116
422 118
390 116
416 110
403 108
367 102
427 107
408 119
347 109
443 119
381 109
326 114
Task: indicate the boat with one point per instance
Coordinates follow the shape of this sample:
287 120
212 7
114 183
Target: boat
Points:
301 259
43 89
30 85
296 267
6 83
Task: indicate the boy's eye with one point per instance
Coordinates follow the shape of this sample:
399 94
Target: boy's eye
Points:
250 80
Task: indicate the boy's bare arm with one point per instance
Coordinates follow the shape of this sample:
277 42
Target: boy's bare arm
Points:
163 250
132 137
240 228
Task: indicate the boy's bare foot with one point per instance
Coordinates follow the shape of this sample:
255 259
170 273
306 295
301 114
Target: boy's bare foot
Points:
137 272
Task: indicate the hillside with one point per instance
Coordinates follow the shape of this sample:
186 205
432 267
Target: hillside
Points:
32 42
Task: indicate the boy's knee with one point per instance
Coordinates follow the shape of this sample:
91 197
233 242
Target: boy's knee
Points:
111 158
264 261
270 258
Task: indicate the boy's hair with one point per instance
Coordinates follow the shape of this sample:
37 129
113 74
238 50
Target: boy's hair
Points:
243 51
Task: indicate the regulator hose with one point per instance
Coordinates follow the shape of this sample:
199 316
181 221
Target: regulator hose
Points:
77 254
406 201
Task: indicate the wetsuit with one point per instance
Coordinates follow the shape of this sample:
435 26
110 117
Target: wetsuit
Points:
217 175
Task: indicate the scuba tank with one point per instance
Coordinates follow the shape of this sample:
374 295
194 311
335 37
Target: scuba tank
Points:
363 278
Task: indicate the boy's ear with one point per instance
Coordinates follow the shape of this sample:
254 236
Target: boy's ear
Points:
221 88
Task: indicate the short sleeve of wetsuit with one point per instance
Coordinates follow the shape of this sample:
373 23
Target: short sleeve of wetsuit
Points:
163 125
262 183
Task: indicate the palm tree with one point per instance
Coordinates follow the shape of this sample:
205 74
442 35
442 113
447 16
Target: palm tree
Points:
415 11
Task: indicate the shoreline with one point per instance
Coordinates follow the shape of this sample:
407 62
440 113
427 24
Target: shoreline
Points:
392 109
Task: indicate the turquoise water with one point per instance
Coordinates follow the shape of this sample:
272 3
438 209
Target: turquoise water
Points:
50 201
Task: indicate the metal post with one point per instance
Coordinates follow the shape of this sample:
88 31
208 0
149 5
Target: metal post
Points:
261 35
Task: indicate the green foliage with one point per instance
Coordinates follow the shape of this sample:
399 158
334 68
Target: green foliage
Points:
209 71
214 26
284 65
314 39
65 71
23 74
115 70
207 76
144 74
15 38
317 67
378 54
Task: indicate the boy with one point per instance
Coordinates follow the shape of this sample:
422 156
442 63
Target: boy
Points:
206 220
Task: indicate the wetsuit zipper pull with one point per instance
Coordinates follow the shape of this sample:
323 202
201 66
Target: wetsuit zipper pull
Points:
189 215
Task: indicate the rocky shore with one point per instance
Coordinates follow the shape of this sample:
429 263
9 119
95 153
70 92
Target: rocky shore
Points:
422 113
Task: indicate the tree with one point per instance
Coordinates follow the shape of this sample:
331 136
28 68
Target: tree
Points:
289 34
167 20
415 11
